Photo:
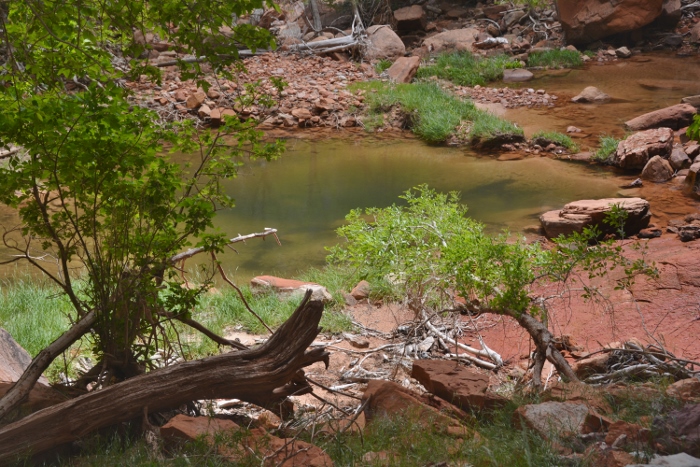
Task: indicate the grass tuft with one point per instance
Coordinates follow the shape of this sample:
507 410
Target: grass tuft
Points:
465 69
432 113
545 138
382 65
608 145
555 59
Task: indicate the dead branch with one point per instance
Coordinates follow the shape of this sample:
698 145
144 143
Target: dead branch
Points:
263 376
241 238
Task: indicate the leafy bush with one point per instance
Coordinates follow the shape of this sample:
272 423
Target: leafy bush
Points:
466 69
693 131
555 59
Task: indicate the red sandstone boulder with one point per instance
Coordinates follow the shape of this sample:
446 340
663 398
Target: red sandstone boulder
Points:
383 43
588 212
679 431
686 389
404 69
386 399
457 384
635 151
675 117
585 21
361 290
455 40
410 18
657 170
591 95
691 185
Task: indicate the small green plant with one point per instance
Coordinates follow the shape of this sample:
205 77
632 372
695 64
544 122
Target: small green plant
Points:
607 146
555 59
465 69
545 138
382 65
693 131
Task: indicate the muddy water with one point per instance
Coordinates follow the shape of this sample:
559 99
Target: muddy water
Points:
637 85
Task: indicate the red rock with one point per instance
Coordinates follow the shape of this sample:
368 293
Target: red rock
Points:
180 95
679 430
187 428
674 117
383 43
457 40
456 384
195 100
635 151
324 104
686 389
301 113
635 435
552 420
404 69
215 115
585 21
579 214
204 111
657 170
361 290
410 18
591 95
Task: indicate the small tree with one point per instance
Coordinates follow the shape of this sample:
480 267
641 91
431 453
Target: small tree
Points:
103 209
429 247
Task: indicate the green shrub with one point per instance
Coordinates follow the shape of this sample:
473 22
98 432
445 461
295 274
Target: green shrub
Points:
693 131
382 65
608 145
555 59
466 69
545 138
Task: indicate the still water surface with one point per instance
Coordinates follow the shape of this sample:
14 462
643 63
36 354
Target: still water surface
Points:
307 193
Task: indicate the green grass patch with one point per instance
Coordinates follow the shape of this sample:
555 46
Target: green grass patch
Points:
607 146
466 69
382 65
432 113
545 138
555 59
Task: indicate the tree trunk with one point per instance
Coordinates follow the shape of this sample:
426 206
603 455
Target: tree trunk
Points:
316 16
264 375
544 341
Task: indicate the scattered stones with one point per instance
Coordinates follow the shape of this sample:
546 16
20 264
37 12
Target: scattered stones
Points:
572 129
591 95
688 233
404 69
457 384
579 214
517 75
290 287
675 117
634 435
635 151
508 98
657 170
587 21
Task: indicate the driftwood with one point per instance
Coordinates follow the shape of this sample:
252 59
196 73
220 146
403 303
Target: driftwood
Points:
264 375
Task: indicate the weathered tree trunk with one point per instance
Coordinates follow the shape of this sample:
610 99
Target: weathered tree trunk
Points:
316 16
263 376
544 341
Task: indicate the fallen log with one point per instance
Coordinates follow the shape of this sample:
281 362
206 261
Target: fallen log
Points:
264 375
